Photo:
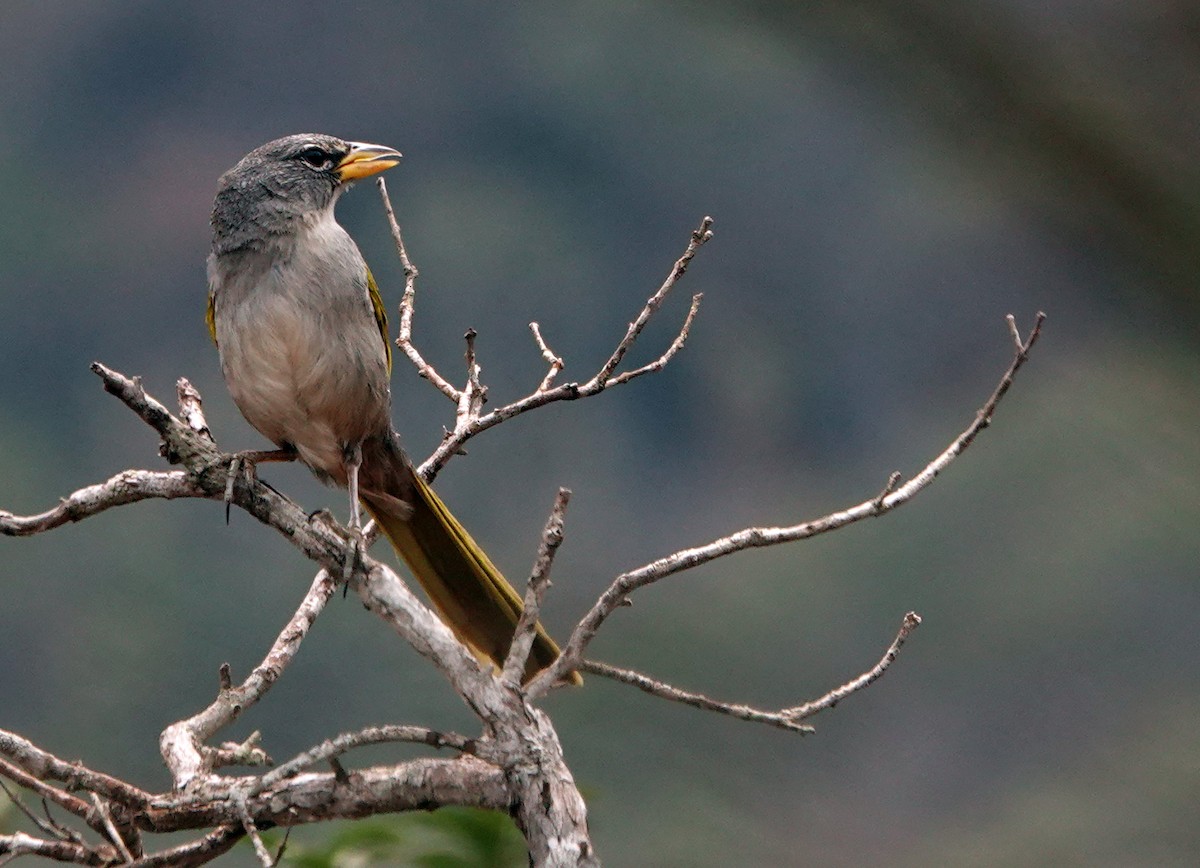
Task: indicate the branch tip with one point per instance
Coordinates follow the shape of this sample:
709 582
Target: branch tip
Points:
469 419
539 580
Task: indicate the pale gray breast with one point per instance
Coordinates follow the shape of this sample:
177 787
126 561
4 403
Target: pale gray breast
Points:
300 348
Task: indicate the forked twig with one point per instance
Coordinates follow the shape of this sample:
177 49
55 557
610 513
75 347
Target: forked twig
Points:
182 743
891 497
470 419
519 735
555 362
46 825
113 835
676 345
784 718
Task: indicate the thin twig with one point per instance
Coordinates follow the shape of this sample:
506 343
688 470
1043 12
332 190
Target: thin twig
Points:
618 592
408 304
21 844
283 845
890 486
335 747
37 765
260 849
785 718
66 801
676 345
472 398
697 700
245 753
555 362
410 270
113 835
182 743
700 236
468 424
539 580
911 622
217 842
46 825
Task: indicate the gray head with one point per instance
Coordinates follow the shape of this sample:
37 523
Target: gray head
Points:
292 179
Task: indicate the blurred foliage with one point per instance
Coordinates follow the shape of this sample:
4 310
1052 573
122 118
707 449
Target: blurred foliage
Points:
8 814
446 838
888 179
1051 97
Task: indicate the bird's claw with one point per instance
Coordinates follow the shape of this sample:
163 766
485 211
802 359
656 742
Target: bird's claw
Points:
355 544
354 552
247 463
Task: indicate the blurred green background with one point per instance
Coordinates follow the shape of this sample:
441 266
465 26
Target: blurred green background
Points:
889 179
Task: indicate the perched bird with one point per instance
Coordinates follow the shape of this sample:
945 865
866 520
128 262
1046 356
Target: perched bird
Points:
304 346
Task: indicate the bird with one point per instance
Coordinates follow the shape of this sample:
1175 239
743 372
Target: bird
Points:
302 335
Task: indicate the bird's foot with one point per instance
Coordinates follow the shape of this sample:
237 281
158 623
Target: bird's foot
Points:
354 552
246 463
355 544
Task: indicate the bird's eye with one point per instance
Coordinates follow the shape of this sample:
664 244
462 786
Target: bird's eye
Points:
315 157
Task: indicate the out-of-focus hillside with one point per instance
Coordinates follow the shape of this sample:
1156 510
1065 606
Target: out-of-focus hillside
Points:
888 181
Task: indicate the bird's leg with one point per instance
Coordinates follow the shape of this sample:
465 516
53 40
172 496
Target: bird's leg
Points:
353 458
247 461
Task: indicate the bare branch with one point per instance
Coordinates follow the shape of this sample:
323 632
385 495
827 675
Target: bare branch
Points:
182 743
315 796
216 843
260 849
128 486
113 835
66 801
676 345
46 825
474 395
697 700
191 407
620 589
785 718
911 622
226 803
244 753
410 270
385 594
469 418
43 765
539 579
700 236
334 747
556 364
890 486
20 844
408 303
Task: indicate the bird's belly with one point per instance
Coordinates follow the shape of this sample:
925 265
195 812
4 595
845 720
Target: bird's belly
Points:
300 382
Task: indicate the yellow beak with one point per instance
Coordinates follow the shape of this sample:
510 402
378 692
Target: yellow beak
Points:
365 160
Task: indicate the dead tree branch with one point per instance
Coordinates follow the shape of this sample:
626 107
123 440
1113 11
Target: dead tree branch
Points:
182 744
469 417
618 592
539 581
785 718
516 764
